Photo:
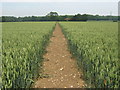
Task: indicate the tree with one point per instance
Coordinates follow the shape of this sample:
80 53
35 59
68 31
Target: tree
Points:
9 19
84 17
80 17
52 16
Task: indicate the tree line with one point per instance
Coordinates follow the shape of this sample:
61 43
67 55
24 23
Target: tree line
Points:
53 16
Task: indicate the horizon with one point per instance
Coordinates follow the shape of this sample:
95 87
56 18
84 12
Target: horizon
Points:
51 11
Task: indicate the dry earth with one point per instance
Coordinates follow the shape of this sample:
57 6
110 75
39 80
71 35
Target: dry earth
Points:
59 69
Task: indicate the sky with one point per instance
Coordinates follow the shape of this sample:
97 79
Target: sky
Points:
59 0
63 7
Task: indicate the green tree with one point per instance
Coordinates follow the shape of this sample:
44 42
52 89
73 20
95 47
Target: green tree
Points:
52 16
80 17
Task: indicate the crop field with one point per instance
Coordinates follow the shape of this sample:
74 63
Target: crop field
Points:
0 55
95 45
23 45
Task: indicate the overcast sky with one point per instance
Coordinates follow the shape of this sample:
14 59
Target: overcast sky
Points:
63 7
59 0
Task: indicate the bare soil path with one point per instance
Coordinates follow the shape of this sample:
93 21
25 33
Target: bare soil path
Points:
59 66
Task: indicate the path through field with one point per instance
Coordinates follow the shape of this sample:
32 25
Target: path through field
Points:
59 66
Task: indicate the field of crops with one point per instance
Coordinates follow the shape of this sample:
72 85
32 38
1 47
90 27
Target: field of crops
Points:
0 55
95 45
23 45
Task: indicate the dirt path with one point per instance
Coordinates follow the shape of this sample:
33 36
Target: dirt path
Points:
60 68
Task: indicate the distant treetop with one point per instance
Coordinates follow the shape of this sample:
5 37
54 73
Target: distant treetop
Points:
52 14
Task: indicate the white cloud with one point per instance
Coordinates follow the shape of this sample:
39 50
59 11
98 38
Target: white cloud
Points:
59 0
